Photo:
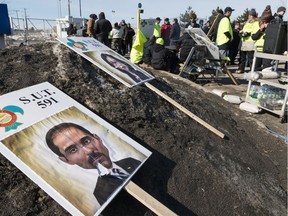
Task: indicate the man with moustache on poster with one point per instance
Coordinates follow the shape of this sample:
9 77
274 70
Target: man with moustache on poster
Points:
76 145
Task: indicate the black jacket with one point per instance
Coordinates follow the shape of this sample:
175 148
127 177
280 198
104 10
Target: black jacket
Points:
159 57
148 51
106 185
102 27
186 43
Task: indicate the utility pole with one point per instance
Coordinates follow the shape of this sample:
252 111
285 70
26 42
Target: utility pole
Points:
80 8
69 13
17 18
26 27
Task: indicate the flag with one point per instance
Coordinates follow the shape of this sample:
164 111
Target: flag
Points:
138 47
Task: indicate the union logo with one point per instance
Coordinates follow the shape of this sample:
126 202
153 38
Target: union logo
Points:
8 117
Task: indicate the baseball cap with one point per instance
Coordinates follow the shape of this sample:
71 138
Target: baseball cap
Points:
166 19
228 9
158 18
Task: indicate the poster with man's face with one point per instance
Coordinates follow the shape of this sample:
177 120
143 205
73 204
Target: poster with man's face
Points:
79 159
108 60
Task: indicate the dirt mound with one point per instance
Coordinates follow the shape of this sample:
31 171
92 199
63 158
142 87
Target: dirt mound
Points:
191 170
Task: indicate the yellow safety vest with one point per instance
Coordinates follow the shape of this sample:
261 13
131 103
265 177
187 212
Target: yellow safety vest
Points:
260 43
157 32
224 26
250 27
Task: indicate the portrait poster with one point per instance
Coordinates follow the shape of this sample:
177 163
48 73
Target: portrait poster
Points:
38 135
201 39
108 60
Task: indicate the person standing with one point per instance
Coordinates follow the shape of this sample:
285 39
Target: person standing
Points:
116 35
123 41
225 33
157 27
165 30
248 44
213 33
175 32
102 29
278 17
192 23
206 27
129 38
234 47
90 25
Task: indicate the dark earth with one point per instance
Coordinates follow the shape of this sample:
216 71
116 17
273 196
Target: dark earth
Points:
192 171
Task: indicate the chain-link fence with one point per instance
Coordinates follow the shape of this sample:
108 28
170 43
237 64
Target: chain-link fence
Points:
31 30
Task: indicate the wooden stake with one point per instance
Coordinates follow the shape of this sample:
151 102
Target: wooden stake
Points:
234 80
147 200
183 109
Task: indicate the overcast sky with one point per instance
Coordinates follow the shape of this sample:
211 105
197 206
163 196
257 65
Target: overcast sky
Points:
127 9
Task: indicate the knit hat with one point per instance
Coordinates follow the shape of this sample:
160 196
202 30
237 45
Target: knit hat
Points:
160 41
93 16
281 9
252 12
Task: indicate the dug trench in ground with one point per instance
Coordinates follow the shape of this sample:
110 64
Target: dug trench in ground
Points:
192 171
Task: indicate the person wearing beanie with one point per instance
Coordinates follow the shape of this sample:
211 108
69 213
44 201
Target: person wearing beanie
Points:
163 58
248 44
278 17
90 25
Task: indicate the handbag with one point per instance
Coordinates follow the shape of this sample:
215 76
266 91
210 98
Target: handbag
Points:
247 46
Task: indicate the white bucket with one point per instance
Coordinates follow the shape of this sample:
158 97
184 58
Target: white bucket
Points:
252 108
219 92
233 99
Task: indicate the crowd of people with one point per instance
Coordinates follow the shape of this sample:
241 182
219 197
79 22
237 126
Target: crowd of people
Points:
232 38
118 37
168 46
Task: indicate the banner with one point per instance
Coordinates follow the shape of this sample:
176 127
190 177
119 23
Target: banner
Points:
78 158
106 59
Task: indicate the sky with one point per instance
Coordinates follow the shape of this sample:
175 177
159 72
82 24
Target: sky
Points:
127 9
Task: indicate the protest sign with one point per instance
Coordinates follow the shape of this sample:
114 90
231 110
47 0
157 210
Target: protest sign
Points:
66 149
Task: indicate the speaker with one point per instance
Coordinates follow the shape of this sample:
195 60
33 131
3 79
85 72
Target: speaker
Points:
275 38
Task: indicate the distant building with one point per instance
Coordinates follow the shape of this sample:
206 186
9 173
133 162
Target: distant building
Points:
63 23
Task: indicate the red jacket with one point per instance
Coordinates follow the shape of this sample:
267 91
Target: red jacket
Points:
165 30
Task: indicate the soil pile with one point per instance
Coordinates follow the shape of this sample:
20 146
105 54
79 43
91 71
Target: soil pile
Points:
192 171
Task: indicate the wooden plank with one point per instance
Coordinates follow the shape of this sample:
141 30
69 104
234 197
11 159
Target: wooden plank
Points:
183 109
234 80
147 200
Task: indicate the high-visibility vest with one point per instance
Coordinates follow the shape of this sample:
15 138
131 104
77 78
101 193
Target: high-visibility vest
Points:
260 43
224 26
250 27
157 32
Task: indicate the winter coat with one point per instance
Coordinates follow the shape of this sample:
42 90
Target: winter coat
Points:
148 51
175 32
102 27
159 57
165 30
186 43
